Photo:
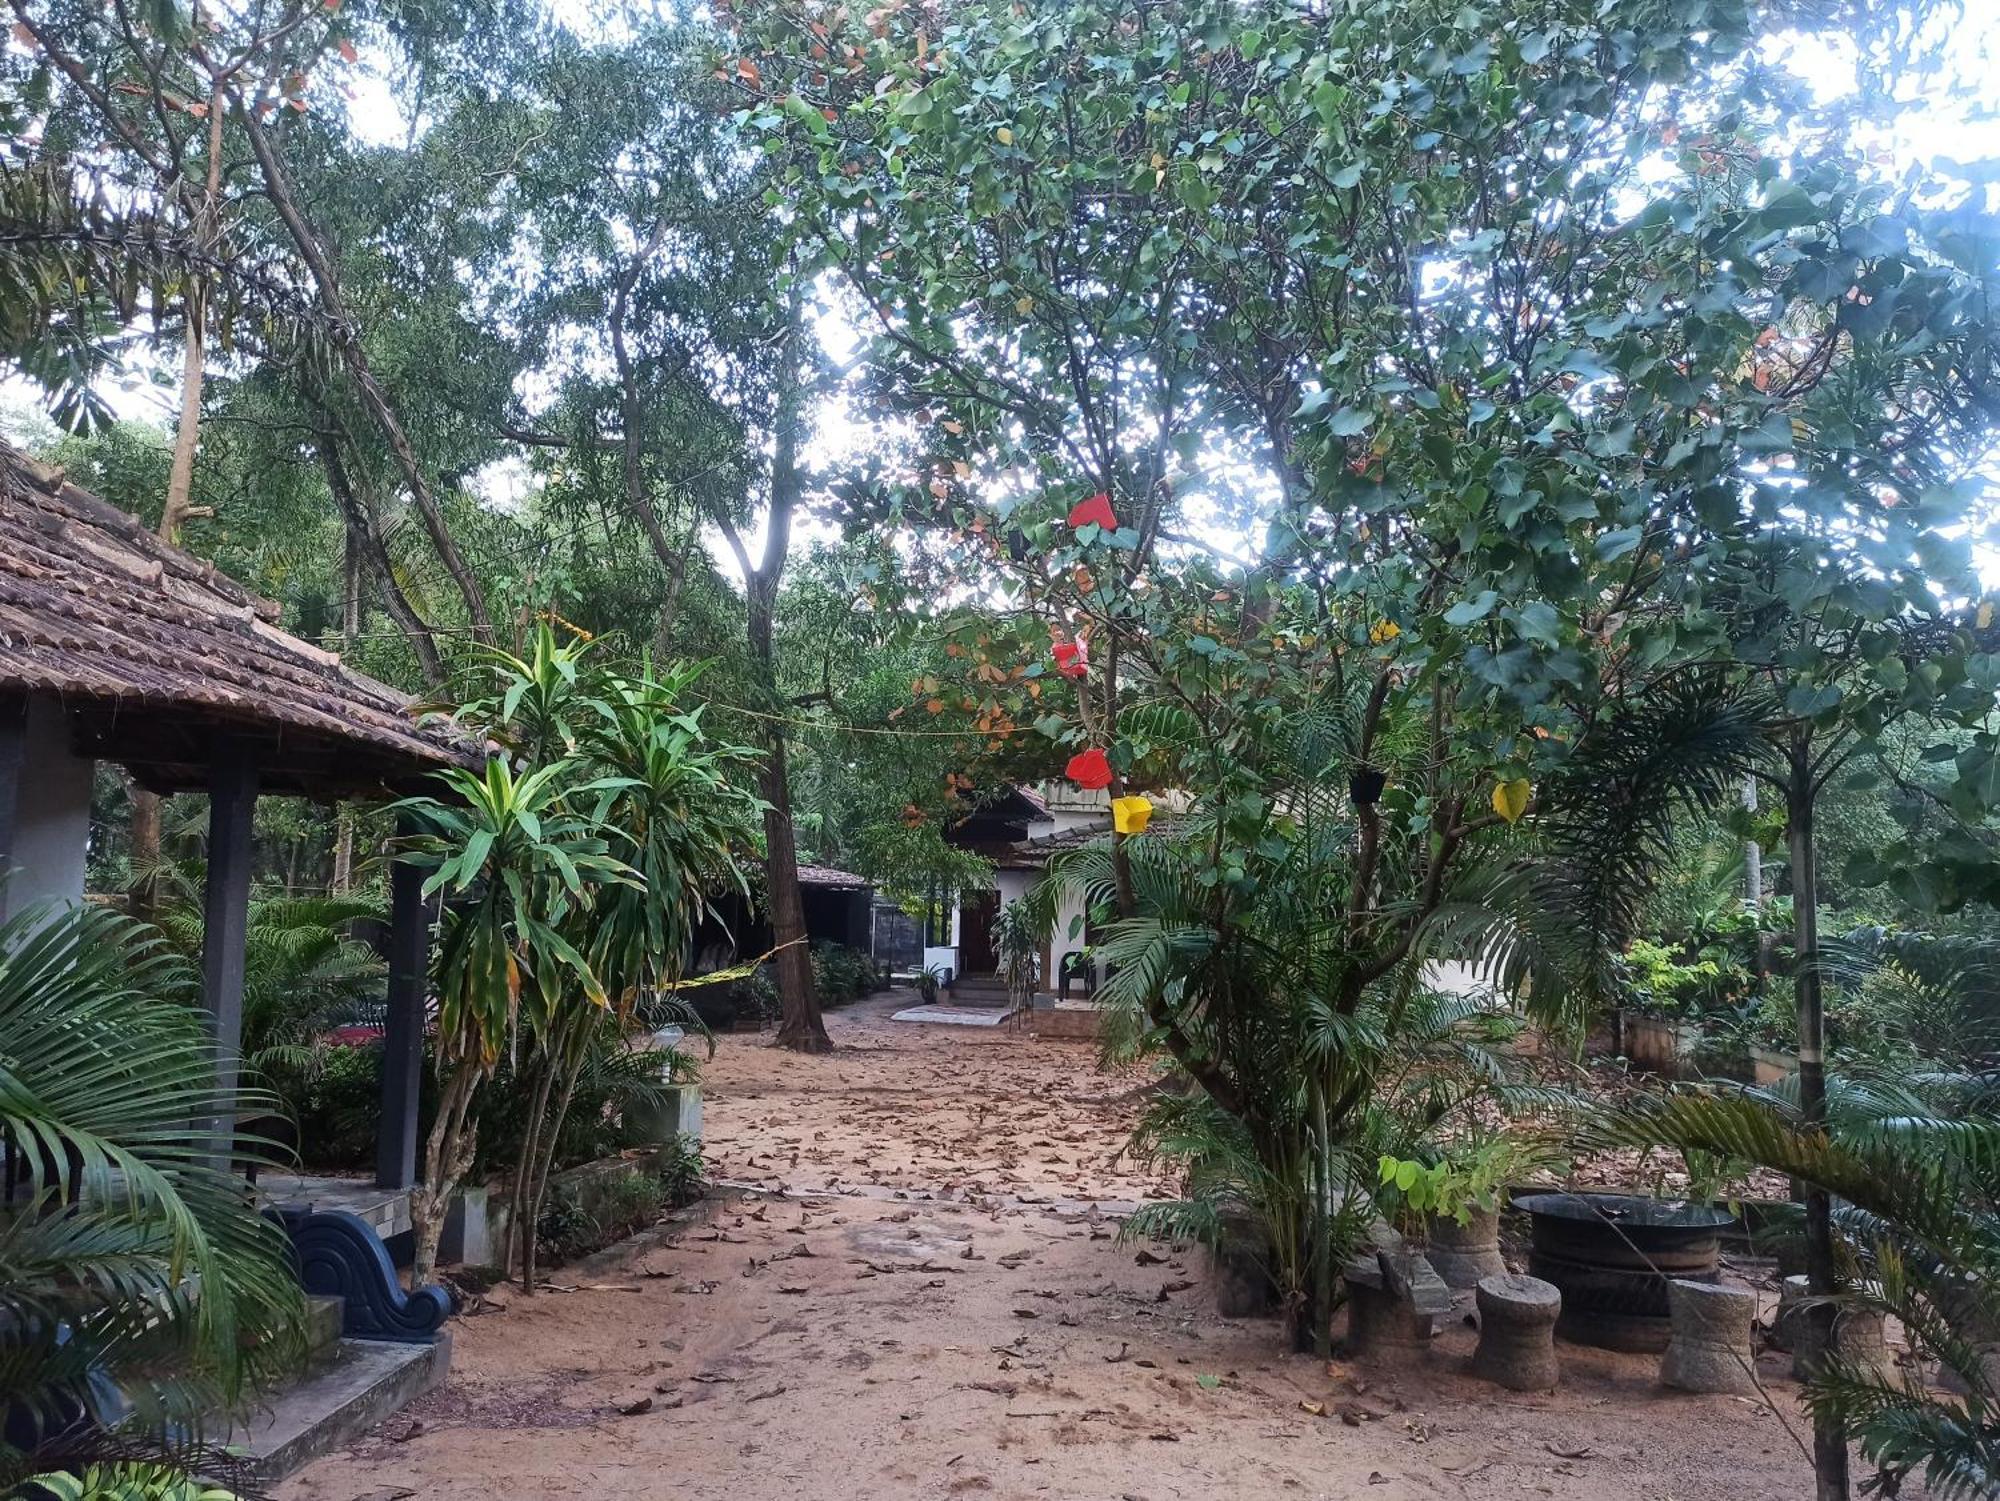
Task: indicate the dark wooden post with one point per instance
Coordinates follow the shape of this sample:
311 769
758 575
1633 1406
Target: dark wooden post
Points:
13 744
403 1026
225 912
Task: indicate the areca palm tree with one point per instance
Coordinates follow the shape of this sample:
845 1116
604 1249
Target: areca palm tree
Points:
1281 957
142 1295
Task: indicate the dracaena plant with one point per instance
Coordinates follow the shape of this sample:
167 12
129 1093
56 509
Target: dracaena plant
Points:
513 864
671 805
573 884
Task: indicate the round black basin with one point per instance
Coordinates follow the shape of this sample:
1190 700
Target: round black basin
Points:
1612 1255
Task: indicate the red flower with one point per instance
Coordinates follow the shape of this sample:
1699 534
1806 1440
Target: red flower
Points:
1096 509
1072 660
1089 769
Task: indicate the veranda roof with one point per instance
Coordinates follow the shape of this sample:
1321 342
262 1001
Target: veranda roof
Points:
828 878
158 656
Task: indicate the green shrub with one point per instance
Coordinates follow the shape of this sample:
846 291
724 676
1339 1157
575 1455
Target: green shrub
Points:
682 1171
566 1228
593 1128
338 1105
841 974
1886 1020
125 1482
759 998
629 1201
625 1202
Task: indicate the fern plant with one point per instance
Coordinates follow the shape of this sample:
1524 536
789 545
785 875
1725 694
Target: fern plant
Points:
302 973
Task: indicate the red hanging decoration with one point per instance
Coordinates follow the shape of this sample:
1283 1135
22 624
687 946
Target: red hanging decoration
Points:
1072 659
1096 510
1090 770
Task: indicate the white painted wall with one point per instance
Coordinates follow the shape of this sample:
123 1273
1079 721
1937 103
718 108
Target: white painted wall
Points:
1014 884
52 827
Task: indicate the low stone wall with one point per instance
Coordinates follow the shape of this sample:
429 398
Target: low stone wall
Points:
592 1184
1664 1047
476 1233
1077 1020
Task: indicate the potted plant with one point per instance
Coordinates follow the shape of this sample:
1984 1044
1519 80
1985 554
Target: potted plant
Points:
1450 1201
1662 997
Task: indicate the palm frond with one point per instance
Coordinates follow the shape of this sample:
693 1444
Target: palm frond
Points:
106 1081
1683 751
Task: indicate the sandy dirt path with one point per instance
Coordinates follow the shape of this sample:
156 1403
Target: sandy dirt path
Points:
924 1298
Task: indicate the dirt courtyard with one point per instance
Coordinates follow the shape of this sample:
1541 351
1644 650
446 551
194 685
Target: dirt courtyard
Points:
921 1295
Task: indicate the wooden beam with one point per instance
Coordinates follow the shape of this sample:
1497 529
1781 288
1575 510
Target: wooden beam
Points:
13 745
403 1025
225 910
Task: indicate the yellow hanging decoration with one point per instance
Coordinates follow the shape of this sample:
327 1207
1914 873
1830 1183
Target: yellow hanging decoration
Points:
1130 814
1985 614
1510 799
1384 632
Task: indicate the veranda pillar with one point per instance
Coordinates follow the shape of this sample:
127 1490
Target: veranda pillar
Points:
13 744
403 1026
225 910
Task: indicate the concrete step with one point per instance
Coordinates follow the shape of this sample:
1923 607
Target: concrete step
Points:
366 1381
978 990
323 1320
952 1016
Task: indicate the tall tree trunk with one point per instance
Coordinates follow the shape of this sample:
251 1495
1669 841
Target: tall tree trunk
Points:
1829 1440
194 308
352 567
144 901
527 1216
803 1029
362 523
447 1158
347 340
180 475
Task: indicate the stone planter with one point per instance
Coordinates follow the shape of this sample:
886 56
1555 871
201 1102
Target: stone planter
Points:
1858 1340
467 1238
1660 1045
1465 1255
1975 1318
1240 1263
656 1124
1710 1350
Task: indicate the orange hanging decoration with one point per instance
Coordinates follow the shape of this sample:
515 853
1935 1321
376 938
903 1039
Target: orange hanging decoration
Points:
1090 770
1095 511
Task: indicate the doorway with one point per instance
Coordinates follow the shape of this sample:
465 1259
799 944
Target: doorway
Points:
976 911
